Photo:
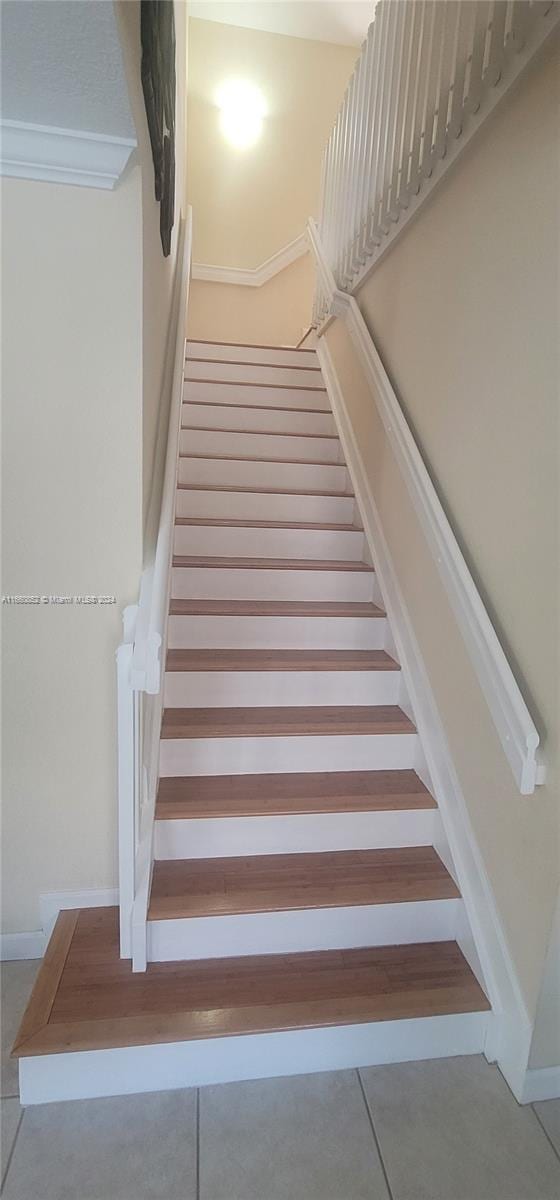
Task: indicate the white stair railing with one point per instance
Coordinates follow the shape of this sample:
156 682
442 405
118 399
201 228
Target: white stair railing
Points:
429 73
141 671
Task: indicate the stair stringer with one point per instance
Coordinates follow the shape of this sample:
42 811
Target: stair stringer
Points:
480 933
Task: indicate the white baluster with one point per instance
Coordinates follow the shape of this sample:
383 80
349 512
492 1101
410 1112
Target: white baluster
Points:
392 117
377 80
373 237
363 150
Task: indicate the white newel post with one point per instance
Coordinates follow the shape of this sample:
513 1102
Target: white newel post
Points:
127 737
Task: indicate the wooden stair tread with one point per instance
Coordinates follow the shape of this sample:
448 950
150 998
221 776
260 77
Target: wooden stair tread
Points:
99 1003
286 721
261 458
333 437
284 408
280 660
238 362
270 564
259 491
284 882
252 346
183 796
249 523
291 387
273 608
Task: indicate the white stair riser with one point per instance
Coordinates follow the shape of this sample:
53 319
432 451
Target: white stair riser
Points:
259 506
216 416
276 633
277 355
236 393
295 477
232 583
247 689
244 542
132 1069
304 833
302 930
261 446
245 372
262 755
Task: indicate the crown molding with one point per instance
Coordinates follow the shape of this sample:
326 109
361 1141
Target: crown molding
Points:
254 276
55 155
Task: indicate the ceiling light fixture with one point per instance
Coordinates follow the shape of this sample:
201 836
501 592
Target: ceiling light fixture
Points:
242 112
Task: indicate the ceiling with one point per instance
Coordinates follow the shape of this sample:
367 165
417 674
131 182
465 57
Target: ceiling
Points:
62 66
342 21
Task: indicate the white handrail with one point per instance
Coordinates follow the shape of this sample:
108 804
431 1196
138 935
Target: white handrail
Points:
428 75
140 667
515 726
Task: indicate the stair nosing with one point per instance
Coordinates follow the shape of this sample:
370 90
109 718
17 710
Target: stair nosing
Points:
383 663
290 462
291 387
202 562
246 523
261 491
284 723
333 437
239 362
257 407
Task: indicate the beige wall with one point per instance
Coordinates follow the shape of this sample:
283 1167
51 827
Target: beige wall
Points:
158 272
72 481
464 311
278 312
86 312
248 204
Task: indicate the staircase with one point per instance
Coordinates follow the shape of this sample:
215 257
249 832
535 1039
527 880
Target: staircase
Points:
299 917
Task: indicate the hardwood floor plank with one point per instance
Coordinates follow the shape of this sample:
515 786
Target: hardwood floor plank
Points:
282 882
100 1003
46 985
324 720
270 564
280 660
273 608
309 792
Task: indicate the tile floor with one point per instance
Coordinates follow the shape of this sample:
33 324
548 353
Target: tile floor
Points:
440 1130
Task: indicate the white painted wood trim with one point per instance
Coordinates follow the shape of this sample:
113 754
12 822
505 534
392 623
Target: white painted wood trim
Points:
541 1083
509 1031
254 276
62 155
126 1071
52 903
514 724
16 946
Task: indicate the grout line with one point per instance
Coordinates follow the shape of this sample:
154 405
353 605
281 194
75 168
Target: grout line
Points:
198 1143
374 1135
11 1154
545 1131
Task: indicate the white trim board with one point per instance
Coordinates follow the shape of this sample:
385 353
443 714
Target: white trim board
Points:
132 1069
17 946
541 1083
509 1029
254 276
54 155
515 727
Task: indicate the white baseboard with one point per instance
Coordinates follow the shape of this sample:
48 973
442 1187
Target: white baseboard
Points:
51 903
541 1083
509 1032
132 1069
14 946
33 945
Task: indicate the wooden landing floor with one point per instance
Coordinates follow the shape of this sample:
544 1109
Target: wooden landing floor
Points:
87 998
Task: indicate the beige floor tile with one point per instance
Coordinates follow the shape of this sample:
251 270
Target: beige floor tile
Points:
10 1113
548 1112
302 1138
120 1148
17 979
450 1129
